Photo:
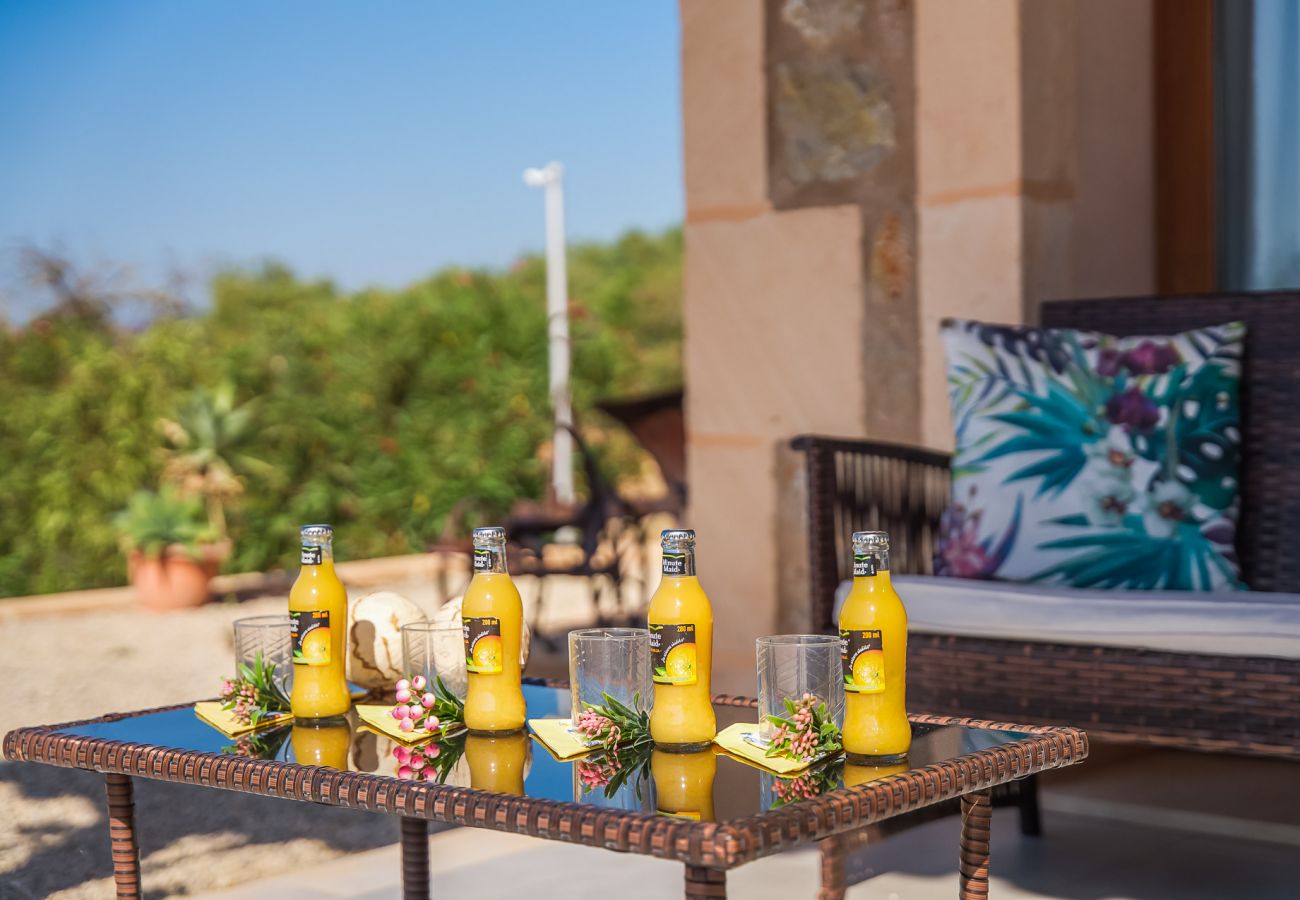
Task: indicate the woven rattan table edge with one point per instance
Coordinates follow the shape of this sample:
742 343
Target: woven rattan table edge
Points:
718 845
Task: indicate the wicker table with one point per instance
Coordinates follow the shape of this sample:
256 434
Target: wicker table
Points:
950 758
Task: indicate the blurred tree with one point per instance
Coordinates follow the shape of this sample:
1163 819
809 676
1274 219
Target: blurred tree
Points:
84 292
380 411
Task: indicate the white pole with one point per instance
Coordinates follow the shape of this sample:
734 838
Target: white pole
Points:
551 178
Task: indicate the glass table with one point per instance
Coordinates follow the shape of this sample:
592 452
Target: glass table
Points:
709 810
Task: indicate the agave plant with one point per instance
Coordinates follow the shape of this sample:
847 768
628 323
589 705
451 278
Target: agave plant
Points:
154 521
205 456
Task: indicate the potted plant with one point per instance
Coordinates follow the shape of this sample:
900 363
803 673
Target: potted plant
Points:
205 454
172 552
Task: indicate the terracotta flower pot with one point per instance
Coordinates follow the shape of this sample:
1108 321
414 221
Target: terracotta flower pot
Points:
175 580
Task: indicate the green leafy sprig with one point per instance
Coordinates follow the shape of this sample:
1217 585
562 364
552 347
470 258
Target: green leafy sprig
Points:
807 785
254 694
613 727
611 772
449 708
264 744
621 738
807 733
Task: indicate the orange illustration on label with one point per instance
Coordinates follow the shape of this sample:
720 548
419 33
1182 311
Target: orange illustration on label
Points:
310 637
863 655
672 654
482 644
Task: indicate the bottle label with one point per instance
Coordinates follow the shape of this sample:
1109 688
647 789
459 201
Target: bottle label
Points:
309 633
482 644
310 556
672 653
482 560
862 652
864 565
674 564
689 814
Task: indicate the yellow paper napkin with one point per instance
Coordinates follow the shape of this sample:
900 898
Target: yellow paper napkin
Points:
380 718
741 741
557 735
224 721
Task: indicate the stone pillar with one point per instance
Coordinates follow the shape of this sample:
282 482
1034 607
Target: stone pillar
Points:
800 305
857 170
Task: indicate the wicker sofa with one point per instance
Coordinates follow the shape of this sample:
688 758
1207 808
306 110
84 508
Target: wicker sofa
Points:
1200 701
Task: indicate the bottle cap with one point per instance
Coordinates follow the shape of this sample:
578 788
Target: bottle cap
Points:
317 532
864 541
489 535
681 538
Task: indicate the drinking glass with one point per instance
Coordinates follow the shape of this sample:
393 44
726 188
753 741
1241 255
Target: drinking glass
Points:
435 649
614 661
791 665
269 636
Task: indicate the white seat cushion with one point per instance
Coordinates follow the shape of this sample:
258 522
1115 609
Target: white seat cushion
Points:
1232 623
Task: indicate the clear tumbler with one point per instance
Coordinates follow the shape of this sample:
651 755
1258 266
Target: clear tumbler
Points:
436 650
791 665
269 637
614 661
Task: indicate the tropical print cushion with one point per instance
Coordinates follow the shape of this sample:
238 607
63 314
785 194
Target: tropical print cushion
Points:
1093 461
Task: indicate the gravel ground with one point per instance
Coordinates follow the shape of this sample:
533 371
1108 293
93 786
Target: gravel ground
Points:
53 834
53 824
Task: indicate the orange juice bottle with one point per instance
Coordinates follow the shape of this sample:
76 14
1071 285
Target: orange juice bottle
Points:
322 743
855 775
684 783
493 620
497 762
318 617
873 641
681 651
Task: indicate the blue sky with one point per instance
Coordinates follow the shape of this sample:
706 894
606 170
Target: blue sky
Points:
368 142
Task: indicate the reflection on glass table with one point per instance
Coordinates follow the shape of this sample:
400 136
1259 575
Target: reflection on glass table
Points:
693 786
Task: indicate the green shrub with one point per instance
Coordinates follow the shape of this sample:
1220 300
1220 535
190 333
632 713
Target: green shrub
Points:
156 520
380 411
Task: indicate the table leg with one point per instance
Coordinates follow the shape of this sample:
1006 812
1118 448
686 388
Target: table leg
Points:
705 884
415 859
121 833
976 821
1031 823
833 881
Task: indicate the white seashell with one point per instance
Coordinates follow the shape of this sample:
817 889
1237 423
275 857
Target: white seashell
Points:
375 637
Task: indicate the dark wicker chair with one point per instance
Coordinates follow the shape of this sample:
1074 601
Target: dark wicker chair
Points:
1234 704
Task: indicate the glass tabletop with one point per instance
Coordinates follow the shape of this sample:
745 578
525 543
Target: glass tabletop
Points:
709 786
